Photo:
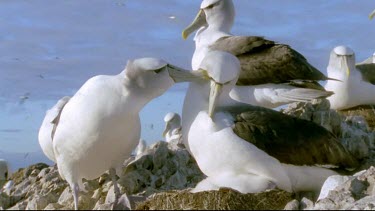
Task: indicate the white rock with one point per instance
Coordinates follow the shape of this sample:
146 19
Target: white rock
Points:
37 203
330 184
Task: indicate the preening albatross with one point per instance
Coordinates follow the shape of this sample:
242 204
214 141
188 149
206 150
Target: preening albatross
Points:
271 74
357 85
99 127
251 148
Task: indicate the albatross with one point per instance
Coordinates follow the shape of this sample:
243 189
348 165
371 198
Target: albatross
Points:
48 128
250 148
99 126
357 82
172 130
273 71
271 74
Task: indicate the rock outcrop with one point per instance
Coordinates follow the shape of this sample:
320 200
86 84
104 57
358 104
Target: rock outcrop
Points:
162 167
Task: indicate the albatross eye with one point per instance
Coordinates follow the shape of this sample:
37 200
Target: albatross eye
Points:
212 5
158 70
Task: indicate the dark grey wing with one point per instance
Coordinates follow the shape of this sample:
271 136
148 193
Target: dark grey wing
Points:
291 140
367 71
263 61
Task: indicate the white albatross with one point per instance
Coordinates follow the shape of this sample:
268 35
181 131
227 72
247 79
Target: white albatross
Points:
172 130
99 127
357 85
48 128
264 63
271 74
250 148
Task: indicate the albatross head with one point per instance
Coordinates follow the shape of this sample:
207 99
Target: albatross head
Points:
172 120
154 76
342 58
214 13
223 69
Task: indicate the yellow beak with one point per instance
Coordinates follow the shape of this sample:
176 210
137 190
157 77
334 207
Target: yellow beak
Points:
345 65
199 21
215 91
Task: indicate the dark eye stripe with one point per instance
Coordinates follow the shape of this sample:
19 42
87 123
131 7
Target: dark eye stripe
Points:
212 5
158 70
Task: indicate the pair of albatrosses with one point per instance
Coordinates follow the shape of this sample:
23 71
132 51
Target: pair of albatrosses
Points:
245 147
97 129
271 74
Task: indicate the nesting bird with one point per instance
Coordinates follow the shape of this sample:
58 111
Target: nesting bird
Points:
99 126
263 62
172 130
251 148
356 85
271 74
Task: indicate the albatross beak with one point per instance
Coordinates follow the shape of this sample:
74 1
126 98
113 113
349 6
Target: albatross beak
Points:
345 65
181 75
214 96
372 15
200 20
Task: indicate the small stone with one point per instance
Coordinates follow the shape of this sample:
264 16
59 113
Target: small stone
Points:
292 205
37 203
306 204
53 206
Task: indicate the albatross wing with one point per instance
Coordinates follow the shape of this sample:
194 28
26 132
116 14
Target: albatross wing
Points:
292 140
263 61
367 71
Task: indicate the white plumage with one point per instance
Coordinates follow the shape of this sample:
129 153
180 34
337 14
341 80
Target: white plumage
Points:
213 24
353 89
227 159
99 127
172 130
48 128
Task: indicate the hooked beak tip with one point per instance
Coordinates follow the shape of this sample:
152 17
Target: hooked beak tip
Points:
184 35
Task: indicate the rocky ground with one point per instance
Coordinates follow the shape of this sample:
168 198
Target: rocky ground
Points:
161 178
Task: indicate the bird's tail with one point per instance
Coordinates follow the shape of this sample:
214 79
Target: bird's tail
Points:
307 178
